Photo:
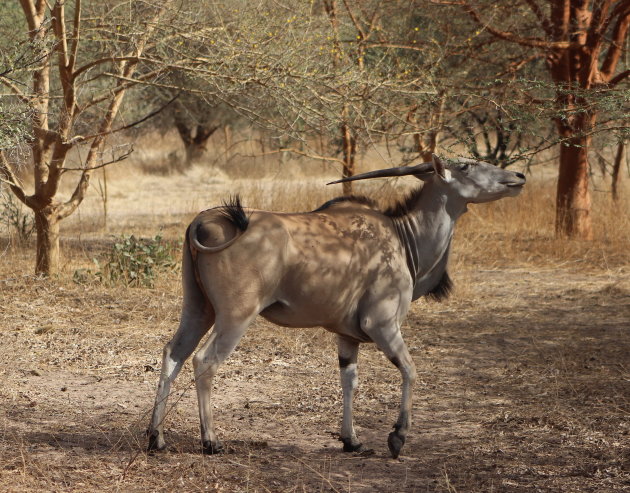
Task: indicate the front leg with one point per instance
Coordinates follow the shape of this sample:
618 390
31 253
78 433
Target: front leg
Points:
407 368
389 340
348 351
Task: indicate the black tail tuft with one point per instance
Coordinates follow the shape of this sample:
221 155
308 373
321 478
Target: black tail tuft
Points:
442 290
233 211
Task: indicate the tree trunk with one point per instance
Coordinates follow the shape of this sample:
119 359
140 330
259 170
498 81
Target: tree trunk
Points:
227 142
194 139
573 197
426 145
583 43
194 152
616 175
349 143
47 229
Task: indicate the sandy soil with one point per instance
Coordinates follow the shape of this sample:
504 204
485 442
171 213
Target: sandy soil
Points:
523 385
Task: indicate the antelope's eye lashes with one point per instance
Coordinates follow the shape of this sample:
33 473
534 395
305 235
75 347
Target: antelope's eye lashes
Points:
465 167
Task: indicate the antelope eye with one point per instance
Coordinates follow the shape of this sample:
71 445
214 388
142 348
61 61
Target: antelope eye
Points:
465 167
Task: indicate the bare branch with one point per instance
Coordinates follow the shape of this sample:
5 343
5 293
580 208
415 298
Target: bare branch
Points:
114 160
620 10
59 27
355 22
518 65
17 92
7 176
418 47
598 22
31 15
514 38
544 21
619 77
65 73
126 70
301 153
620 32
111 59
106 95
76 30
81 138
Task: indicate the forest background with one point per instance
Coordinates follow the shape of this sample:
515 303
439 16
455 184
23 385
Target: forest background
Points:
120 120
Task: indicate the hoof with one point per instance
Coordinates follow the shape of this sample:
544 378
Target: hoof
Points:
210 448
350 446
156 441
395 443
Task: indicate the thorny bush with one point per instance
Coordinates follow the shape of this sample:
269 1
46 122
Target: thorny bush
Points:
132 261
15 219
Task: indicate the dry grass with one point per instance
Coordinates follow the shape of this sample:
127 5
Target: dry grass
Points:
524 375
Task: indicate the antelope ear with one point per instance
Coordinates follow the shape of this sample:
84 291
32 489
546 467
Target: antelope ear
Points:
440 169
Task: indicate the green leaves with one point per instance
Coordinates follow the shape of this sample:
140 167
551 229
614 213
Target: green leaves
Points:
14 218
132 262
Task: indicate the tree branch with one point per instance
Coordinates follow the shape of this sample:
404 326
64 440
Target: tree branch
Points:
544 22
513 38
519 64
116 159
59 27
618 78
65 73
31 16
126 71
419 47
598 22
15 89
357 24
301 153
7 176
76 30
620 31
618 11
100 61
122 87
81 138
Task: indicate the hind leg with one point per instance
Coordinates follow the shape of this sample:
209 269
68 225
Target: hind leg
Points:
196 319
226 334
382 324
348 351
191 329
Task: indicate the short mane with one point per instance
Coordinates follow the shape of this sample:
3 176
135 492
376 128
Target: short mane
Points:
400 208
404 205
357 199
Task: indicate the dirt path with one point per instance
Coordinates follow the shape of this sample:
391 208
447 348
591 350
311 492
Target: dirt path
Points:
523 385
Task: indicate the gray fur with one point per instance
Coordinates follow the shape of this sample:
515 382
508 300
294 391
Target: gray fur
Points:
347 267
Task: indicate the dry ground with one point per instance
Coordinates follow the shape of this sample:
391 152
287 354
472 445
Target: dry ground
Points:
523 376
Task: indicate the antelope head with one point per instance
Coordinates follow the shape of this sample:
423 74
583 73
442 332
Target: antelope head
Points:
466 179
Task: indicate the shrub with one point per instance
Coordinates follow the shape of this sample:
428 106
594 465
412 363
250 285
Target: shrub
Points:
14 218
132 261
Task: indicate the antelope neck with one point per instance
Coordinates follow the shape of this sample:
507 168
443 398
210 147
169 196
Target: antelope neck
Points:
425 233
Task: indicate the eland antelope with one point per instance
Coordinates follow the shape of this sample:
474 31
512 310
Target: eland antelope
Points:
348 267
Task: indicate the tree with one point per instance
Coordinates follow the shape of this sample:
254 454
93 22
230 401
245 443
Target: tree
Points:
305 69
195 117
298 69
194 135
581 42
615 174
489 138
75 93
